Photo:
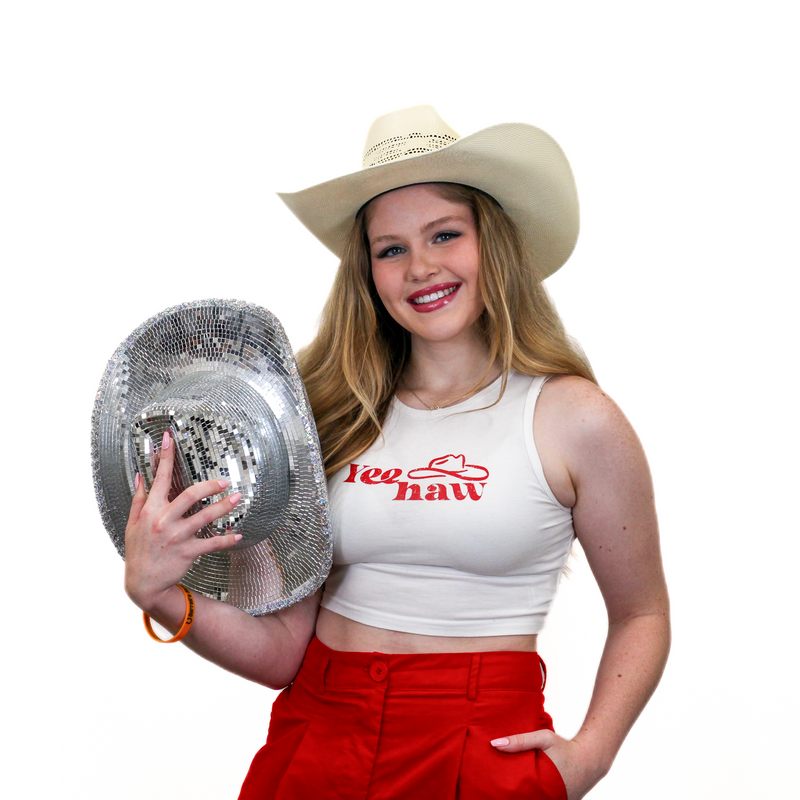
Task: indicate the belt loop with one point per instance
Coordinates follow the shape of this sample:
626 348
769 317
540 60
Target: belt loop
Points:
543 668
472 681
323 672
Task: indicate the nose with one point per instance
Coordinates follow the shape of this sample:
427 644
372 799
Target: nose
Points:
421 265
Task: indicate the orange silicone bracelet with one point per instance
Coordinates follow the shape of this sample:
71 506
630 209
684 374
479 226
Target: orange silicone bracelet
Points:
188 619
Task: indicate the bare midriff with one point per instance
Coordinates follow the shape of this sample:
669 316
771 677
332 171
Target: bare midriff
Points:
341 633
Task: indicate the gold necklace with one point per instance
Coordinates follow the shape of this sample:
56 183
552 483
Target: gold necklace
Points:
440 406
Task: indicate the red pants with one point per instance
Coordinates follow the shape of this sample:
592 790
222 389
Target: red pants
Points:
376 726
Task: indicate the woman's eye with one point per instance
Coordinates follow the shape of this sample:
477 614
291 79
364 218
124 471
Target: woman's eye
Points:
390 251
446 236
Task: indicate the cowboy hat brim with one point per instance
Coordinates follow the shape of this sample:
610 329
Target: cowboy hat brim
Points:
520 166
239 351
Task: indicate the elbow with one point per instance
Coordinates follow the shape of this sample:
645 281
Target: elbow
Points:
655 626
283 673
278 679
656 613
284 649
285 665
277 686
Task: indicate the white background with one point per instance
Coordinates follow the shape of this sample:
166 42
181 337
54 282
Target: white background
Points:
143 144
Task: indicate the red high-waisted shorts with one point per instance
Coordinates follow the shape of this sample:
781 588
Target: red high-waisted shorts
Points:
376 726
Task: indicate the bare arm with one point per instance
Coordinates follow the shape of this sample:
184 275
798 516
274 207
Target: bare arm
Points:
615 520
160 546
267 650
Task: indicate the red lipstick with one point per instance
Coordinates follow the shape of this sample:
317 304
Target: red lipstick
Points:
435 302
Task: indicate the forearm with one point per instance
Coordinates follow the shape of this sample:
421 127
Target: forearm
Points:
630 668
262 649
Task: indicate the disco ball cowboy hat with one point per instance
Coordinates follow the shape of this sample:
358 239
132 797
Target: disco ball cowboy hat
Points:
520 166
221 377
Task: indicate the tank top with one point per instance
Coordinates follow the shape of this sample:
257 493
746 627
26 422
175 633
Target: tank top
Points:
446 525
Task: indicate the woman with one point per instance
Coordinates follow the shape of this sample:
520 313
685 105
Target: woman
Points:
454 505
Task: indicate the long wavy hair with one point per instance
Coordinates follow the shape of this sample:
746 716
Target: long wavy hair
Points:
352 368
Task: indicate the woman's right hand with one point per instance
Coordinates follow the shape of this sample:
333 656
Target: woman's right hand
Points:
160 543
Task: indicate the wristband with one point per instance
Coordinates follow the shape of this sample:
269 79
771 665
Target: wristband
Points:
188 619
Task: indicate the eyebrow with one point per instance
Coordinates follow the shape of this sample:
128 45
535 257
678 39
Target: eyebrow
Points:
426 227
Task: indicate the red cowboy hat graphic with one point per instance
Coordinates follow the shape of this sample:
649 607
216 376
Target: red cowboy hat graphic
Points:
450 466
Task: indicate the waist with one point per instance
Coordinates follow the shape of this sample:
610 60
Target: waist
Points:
462 672
344 634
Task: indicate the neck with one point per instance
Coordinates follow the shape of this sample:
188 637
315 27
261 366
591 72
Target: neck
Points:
442 368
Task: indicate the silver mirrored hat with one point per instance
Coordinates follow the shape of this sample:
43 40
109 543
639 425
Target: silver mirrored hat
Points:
221 377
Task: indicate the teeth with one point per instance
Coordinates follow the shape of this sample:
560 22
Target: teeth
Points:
429 298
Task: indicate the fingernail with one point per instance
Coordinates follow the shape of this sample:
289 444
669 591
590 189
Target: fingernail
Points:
222 484
237 537
165 441
499 742
137 479
235 498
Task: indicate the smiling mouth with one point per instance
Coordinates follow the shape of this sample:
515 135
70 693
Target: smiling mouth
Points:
430 297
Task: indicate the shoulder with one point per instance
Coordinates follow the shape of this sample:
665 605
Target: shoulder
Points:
584 400
585 414
584 435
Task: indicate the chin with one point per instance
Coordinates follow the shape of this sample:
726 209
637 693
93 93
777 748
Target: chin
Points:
445 333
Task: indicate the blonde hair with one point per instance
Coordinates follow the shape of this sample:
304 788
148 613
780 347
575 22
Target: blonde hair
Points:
352 368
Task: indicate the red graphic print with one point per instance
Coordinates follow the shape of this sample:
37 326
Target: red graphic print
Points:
441 467
451 466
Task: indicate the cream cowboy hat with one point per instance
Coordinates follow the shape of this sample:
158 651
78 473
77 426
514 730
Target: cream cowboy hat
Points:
520 166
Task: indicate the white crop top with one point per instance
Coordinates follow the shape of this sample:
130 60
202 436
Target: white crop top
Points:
446 525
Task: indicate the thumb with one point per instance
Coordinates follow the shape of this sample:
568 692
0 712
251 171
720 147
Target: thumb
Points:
541 740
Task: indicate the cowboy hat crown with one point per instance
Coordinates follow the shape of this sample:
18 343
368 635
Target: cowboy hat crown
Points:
520 166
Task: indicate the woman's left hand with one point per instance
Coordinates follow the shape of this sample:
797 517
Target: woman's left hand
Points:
578 769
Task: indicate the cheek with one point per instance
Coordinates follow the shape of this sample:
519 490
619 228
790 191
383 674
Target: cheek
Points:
384 285
383 290
478 305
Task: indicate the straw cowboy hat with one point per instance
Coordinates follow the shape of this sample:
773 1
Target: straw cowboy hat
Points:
221 377
520 166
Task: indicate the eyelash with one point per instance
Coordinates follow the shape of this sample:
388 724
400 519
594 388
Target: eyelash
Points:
449 234
385 253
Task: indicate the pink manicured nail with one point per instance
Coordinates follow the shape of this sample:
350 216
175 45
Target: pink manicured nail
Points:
137 479
235 498
499 742
237 537
165 441
222 484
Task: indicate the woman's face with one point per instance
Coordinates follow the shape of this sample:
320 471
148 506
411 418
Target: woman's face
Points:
425 261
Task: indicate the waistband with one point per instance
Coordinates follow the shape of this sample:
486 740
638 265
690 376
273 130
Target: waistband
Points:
458 673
